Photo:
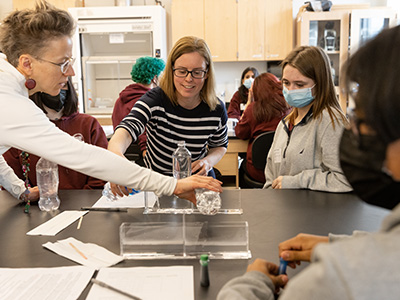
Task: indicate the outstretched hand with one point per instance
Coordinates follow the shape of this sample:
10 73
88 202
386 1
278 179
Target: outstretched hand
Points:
300 247
185 187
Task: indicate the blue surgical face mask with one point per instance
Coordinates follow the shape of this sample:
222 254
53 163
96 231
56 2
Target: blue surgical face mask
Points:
299 97
248 82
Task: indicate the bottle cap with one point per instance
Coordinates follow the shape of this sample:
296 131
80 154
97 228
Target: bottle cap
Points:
204 257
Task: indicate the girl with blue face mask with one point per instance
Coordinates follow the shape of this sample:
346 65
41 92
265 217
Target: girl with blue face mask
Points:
304 154
240 97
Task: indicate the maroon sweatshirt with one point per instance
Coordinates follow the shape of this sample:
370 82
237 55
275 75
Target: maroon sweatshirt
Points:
248 128
122 107
92 133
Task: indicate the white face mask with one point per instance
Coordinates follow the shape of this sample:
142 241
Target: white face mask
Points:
248 82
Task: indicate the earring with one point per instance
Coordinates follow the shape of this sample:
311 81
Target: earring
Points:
30 84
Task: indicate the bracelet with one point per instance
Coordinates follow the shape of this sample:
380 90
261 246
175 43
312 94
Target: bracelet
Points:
24 196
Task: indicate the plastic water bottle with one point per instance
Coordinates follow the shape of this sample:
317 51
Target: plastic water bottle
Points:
181 162
47 181
208 202
108 193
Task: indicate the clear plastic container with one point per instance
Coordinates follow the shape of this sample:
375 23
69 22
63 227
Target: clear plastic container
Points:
108 193
208 202
182 168
47 181
185 240
182 161
231 203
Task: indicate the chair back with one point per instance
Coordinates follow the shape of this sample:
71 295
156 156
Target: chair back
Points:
260 149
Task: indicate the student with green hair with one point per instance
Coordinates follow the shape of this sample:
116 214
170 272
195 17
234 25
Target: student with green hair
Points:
145 74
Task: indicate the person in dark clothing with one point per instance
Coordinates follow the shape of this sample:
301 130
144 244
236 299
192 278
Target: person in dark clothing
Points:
62 111
145 74
264 109
239 98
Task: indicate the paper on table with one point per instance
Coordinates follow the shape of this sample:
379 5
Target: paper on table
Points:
130 201
58 223
147 283
87 254
65 283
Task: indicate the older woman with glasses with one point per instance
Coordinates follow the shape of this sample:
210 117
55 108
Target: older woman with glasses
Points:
37 57
62 110
183 108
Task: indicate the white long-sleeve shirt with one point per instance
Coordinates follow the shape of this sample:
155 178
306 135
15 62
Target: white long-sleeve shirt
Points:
24 126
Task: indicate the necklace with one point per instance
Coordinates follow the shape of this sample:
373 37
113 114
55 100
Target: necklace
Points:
26 162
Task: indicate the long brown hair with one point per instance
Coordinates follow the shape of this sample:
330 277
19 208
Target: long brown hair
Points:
314 63
268 99
190 44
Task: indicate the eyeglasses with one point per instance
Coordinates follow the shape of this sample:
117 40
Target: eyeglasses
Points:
360 129
64 66
197 74
355 122
351 111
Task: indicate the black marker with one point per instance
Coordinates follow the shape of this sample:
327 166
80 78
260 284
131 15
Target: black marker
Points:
105 209
204 278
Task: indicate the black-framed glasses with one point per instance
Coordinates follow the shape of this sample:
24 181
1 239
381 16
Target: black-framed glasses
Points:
64 66
182 73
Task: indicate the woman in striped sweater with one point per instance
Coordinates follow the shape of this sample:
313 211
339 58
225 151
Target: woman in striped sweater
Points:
183 108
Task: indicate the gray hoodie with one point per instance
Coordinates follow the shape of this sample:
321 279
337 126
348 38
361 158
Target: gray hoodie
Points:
362 266
308 157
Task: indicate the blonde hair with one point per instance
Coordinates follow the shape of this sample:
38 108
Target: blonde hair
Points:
29 31
190 44
314 63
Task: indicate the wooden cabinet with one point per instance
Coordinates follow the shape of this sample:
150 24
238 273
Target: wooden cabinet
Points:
265 29
187 18
237 30
220 23
330 31
366 23
278 29
63 4
251 33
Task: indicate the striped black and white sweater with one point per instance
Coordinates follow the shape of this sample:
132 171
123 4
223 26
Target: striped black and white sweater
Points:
166 124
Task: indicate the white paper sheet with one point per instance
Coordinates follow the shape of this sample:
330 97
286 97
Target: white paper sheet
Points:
130 201
87 254
65 283
147 283
57 223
